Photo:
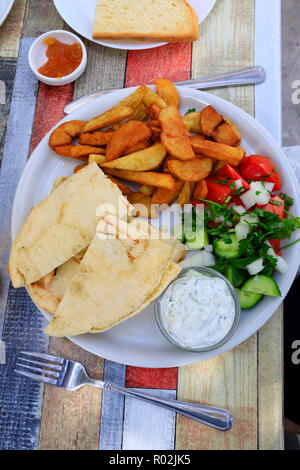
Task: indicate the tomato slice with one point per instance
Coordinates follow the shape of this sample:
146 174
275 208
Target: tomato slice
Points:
276 245
259 168
277 208
218 192
229 172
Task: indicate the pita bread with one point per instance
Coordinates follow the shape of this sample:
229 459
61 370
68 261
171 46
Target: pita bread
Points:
116 279
62 225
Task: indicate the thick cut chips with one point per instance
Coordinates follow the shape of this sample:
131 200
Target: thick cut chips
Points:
174 135
143 160
191 170
129 134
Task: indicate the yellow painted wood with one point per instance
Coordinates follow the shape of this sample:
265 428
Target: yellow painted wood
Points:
227 381
70 420
11 30
270 387
247 380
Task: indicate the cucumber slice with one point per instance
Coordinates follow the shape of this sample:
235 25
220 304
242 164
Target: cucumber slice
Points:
248 299
178 232
262 284
227 250
196 240
236 276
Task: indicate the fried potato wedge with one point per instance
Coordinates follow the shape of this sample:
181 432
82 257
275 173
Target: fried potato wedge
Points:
143 160
79 167
143 205
151 178
167 91
113 115
192 122
166 196
97 158
174 135
185 194
78 151
154 111
226 153
225 134
201 190
147 190
65 133
151 97
134 100
209 120
96 138
63 150
122 187
143 144
129 134
191 170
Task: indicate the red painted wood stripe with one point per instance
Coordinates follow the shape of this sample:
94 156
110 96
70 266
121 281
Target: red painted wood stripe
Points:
172 61
49 109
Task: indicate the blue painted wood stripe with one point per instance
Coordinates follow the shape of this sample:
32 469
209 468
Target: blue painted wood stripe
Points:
15 154
112 409
20 321
268 109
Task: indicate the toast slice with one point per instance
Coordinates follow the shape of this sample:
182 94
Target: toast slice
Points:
146 20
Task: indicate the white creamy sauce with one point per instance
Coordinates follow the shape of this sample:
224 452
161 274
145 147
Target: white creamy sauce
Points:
197 310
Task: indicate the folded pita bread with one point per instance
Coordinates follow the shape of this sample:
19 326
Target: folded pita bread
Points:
117 278
62 225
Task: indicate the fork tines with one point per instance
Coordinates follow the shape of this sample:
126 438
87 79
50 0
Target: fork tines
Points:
38 367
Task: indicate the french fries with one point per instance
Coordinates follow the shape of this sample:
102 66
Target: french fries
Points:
201 190
151 178
209 120
191 170
142 205
143 160
232 155
144 139
166 196
96 138
174 135
116 114
129 134
167 91
185 194
192 122
97 158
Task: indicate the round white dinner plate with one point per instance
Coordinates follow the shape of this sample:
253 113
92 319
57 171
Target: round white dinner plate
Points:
80 14
5 7
138 341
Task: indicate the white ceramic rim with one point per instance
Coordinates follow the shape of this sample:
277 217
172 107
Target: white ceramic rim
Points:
123 44
268 306
6 12
67 78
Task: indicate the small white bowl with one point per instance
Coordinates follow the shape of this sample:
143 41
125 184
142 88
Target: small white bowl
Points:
37 57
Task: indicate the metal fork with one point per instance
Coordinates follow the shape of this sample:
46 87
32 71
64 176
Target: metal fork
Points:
72 375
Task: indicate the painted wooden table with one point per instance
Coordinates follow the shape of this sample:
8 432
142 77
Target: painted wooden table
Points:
246 380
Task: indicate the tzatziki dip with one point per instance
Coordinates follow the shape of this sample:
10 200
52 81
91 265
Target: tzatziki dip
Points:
197 310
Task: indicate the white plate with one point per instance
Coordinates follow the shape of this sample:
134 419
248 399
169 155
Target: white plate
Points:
5 7
138 341
79 15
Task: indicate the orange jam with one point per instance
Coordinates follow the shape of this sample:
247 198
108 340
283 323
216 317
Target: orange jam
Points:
63 59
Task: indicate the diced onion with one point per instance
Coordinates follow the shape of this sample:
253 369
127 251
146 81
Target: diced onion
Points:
281 265
250 218
248 199
238 183
241 230
255 267
260 195
239 209
269 186
203 258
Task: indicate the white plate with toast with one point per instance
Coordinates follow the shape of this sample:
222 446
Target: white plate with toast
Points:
138 341
80 15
